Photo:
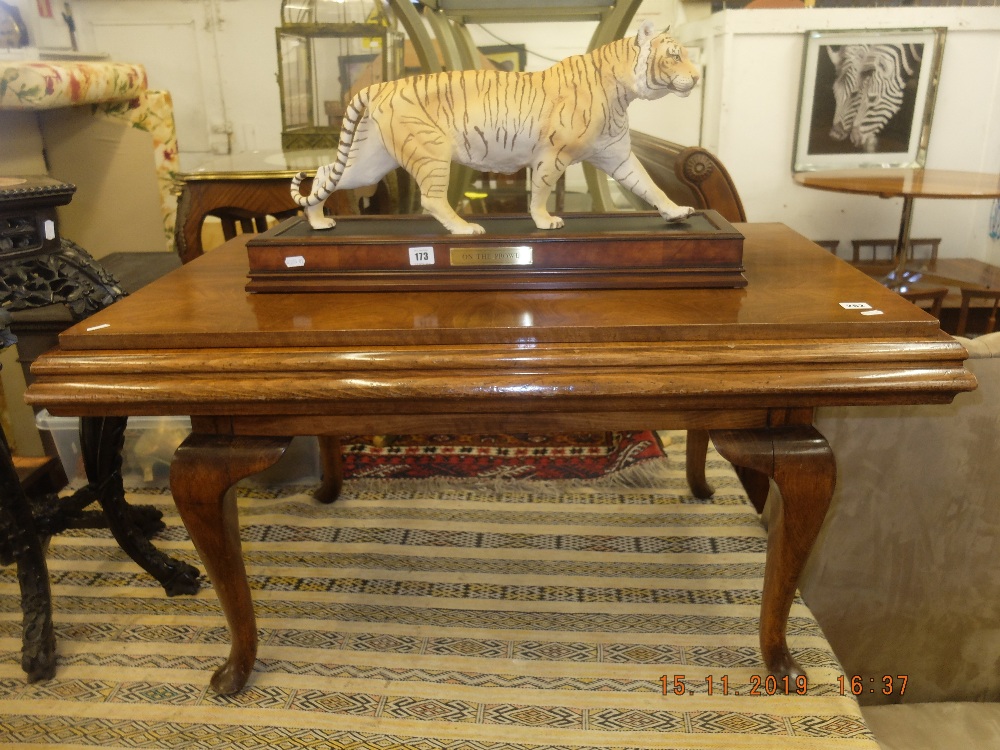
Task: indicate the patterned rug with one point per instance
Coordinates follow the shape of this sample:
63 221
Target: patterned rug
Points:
564 614
543 457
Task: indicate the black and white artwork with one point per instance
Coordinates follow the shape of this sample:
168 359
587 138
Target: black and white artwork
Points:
867 98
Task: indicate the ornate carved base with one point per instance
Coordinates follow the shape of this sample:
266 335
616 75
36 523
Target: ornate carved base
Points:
101 440
37 269
20 543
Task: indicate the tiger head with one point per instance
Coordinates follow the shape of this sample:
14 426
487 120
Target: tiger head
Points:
663 66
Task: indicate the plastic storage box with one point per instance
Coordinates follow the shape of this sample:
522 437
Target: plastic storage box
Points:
149 447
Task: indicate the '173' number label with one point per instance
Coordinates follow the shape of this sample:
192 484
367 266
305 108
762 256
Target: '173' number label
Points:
421 256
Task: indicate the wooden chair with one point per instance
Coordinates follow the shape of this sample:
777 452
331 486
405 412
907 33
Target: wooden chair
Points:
831 245
930 300
888 245
968 295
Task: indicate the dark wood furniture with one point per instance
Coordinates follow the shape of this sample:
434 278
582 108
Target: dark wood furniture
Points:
932 244
749 365
929 299
955 275
242 190
689 175
40 269
968 297
907 184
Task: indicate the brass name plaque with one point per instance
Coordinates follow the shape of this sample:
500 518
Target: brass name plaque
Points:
519 255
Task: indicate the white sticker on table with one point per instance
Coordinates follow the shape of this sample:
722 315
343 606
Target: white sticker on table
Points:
295 261
872 312
421 256
855 306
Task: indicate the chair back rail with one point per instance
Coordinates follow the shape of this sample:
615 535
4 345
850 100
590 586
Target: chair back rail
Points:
689 175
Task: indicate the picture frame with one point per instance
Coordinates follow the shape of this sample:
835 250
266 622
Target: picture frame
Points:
867 98
352 67
509 57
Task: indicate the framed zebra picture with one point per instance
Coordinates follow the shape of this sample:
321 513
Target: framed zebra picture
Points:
867 98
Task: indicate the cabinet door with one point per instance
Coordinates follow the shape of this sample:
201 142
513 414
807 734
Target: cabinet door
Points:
176 43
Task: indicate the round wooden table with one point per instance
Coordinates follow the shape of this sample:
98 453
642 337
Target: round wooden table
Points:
907 184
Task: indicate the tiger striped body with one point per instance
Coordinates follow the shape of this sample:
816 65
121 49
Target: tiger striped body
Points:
495 121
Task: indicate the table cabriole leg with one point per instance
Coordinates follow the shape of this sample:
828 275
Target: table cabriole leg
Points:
202 478
756 484
694 464
331 458
801 462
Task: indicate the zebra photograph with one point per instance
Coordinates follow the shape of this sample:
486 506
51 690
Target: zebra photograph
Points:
873 88
867 98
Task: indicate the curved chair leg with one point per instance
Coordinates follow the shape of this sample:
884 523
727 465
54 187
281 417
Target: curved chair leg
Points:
694 464
202 476
801 463
331 459
101 440
20 543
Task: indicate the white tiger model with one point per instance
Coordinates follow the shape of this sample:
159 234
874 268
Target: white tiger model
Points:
495 121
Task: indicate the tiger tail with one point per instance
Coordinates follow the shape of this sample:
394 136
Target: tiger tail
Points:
328 176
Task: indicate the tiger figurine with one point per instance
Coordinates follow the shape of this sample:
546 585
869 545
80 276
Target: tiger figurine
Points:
496 121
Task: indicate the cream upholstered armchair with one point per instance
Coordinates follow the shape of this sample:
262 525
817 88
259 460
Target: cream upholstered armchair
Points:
905 577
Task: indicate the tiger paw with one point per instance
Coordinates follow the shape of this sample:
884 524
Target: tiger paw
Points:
314 214
549 222
676 213
468 228
324 223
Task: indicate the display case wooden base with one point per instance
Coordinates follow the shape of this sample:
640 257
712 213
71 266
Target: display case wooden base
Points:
407 253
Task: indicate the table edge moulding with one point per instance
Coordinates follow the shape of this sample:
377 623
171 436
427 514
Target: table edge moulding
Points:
748 364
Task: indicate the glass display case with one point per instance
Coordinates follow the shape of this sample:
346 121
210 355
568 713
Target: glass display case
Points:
328 50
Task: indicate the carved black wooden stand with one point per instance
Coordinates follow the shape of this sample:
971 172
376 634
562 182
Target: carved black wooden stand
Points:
38 268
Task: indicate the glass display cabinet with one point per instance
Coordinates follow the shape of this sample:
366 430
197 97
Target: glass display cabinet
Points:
328 50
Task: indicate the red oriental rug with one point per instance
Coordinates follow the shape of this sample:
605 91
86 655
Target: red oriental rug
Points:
542 457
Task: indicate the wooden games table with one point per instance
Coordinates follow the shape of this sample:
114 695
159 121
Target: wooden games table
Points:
749 365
